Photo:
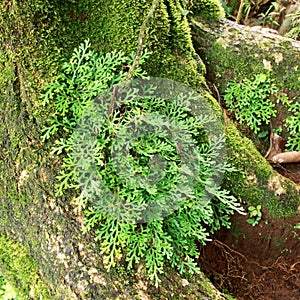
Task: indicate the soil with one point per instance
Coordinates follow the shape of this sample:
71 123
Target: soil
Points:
259 262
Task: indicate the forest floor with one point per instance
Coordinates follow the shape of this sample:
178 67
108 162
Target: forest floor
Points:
259 262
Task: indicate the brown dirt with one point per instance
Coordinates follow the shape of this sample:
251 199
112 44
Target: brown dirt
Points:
259 262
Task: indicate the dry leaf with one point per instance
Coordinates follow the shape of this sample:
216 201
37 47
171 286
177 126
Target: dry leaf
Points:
286 157
276 145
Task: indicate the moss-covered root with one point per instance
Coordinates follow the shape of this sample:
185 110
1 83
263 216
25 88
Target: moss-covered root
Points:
234 51
20 270
22 273
254 181
207 9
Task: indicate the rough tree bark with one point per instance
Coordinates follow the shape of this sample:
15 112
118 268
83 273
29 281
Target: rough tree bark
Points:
232 51
42 249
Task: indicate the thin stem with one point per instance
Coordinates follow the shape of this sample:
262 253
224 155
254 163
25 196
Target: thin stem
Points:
141 40
240 12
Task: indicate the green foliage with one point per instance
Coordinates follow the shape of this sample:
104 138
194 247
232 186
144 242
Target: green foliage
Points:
254 214
83 78
271 16
247 8
250 100
190 214
274 14
295 30
2 285
227 9
293 126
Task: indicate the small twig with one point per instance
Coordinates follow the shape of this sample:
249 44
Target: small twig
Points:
292 267
243 256
112 101
217 92
219 100
141 41
230 249
271 141
240 12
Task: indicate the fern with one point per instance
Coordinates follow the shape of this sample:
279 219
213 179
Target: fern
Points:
250 100
140 161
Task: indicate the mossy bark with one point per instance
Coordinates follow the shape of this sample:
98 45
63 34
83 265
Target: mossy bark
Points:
232 51
43 251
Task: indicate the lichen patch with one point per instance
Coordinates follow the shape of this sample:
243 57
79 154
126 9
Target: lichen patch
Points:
275 184
278 58
22 178
267 65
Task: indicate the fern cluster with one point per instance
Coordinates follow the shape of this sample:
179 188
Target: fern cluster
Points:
250 100
293 126
253 102
144 165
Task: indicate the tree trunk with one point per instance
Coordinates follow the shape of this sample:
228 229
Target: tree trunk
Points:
43 252
42 249
232 51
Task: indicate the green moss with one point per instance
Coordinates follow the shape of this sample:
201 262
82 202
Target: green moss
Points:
208 9
20 270
254 181
225 65
214 105
168 38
